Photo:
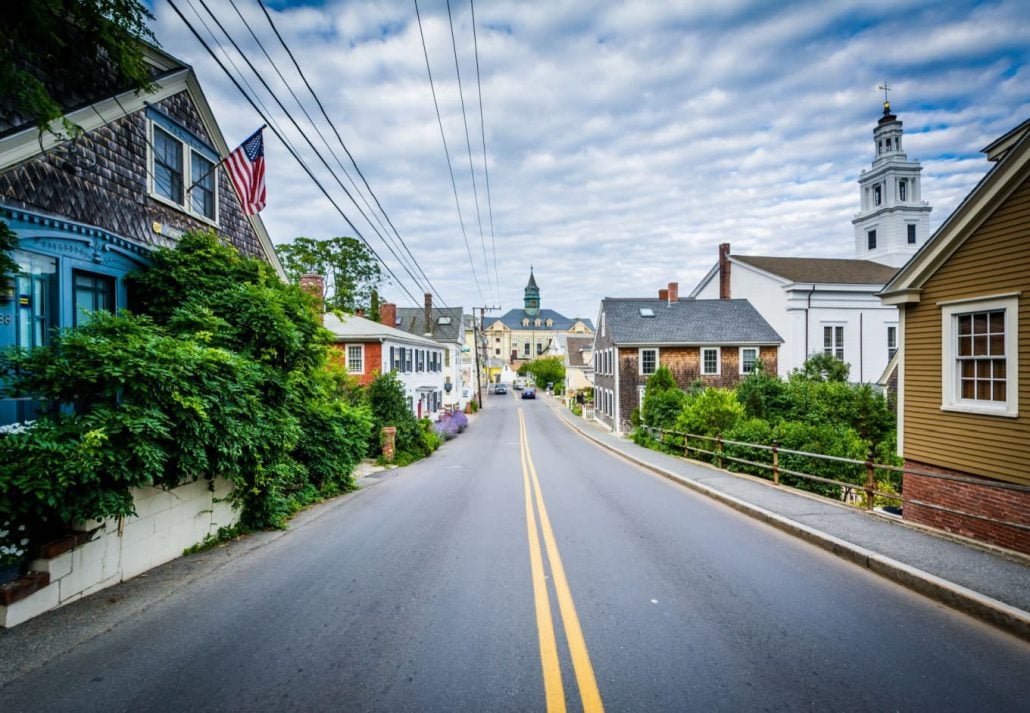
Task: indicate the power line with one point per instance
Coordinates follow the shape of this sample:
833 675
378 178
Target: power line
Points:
447 154
332 125
486 169
317 153
468 144
290 148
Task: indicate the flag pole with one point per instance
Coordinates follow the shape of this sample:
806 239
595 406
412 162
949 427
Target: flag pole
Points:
215 167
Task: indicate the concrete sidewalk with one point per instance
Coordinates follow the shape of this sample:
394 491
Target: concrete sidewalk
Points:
988 583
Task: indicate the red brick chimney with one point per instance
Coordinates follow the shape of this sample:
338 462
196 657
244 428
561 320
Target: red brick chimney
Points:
388 314
724 271
429 314
314 285
663 295
674 292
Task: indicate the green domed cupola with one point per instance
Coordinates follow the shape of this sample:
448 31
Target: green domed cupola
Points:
532 295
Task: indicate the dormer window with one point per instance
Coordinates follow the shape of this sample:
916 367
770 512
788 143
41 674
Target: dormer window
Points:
550 323
525 323
536 323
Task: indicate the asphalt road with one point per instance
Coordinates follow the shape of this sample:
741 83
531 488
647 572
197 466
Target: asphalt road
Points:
429 591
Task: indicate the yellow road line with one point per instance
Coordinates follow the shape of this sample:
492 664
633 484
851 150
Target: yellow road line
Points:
585 679
554 691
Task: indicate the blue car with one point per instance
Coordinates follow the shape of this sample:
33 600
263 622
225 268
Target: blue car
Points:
529 393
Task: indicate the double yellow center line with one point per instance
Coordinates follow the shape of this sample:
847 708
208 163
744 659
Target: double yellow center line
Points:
553 689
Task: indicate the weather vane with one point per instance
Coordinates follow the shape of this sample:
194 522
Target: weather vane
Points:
886 101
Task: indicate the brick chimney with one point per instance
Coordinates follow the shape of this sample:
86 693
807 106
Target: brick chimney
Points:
674 292
388 314
663 295
314 285
724 271
429 314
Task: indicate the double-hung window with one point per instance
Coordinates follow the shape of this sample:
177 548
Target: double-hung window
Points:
648 361
182 172
710 361
748 359
980 356
355 358
892 341
833 340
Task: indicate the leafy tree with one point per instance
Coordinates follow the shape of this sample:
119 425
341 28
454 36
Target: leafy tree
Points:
78 42
710 413
822 367
762 395
545 370
352 273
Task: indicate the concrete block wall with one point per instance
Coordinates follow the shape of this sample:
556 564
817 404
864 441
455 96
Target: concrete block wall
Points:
166 523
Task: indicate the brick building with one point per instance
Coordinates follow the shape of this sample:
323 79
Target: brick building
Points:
715 342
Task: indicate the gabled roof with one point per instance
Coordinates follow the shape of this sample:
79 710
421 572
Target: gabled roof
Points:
837 271
450 329
92 108
686 322
1010 172
512 319
353 328
575 346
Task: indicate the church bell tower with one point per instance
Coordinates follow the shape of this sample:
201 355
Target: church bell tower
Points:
893 220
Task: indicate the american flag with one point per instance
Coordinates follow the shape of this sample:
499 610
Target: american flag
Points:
246 166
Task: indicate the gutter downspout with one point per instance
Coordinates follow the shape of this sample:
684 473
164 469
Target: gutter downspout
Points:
807 308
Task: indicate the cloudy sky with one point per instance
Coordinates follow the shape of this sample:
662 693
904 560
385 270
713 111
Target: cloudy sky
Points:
624 140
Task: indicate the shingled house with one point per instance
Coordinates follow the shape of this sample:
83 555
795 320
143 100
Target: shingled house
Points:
89 210
716 342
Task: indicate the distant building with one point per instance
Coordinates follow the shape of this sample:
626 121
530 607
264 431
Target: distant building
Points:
830 306
444 326
521 335
714 342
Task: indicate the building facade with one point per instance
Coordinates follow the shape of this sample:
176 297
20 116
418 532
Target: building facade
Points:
445 327
964 363
522 335
714 342
90 209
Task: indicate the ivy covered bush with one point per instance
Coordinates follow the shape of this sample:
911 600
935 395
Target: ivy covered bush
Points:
219 371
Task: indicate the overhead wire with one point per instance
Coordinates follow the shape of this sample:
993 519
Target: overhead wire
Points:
289 147
447 155
354 163
317 153
468 144
486 169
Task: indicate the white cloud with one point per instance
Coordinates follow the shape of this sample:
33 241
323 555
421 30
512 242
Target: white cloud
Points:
625 141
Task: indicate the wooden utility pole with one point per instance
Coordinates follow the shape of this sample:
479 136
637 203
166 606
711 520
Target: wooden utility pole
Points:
480 339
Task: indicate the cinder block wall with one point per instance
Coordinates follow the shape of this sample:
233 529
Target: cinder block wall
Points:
166 523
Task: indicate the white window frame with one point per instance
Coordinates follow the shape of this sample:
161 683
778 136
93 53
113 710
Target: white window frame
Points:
640 360
757 352
834 346
187 153
361 358
718 361
892 348
950 389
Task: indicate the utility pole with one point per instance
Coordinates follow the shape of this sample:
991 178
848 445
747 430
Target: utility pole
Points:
480 345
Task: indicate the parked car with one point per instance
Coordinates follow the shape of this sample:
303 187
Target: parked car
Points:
500 389
529 393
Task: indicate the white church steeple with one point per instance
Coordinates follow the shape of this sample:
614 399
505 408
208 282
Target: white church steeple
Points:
893 221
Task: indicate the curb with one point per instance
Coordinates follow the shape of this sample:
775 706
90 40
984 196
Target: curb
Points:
987 609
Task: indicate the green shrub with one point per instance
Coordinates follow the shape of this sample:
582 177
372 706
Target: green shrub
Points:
710 413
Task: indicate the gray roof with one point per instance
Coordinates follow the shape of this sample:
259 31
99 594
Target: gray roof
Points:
838 271
689 321
512 319
413 321
575 347
353 328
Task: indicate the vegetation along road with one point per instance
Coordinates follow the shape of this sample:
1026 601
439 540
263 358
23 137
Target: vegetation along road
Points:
522 569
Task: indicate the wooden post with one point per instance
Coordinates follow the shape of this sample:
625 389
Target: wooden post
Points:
718 450
870 480
776 462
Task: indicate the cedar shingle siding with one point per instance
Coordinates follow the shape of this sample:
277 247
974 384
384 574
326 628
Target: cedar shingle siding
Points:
112 192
